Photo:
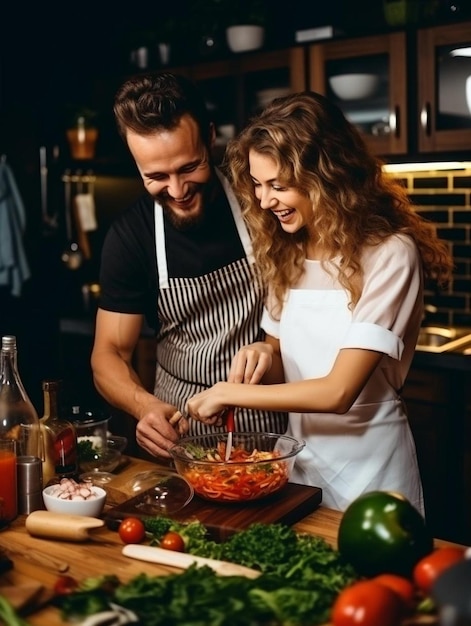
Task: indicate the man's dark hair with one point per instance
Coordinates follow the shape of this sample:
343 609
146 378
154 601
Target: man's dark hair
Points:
149 102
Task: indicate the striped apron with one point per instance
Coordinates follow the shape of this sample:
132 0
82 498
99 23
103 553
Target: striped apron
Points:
203 323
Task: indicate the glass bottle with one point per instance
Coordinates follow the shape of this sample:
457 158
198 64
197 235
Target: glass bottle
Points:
18 417
58 436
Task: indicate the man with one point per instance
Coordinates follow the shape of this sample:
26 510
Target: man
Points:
181 258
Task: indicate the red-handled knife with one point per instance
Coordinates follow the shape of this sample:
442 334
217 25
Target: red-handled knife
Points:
230 430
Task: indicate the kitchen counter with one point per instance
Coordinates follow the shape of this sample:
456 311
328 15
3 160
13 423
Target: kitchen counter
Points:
43 560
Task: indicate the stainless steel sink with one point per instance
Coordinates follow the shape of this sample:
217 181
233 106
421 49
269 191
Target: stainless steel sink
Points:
443 339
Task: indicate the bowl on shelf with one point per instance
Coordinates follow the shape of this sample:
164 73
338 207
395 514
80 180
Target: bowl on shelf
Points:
245 37
91 504
265 96
260 465
354 86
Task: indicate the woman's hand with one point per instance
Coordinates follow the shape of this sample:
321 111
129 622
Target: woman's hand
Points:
251 363
207 406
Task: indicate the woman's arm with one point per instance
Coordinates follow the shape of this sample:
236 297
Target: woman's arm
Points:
333 393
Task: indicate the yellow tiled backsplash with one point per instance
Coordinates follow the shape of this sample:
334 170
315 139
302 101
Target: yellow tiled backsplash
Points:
444 197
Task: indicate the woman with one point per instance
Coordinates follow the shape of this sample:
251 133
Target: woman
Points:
345 258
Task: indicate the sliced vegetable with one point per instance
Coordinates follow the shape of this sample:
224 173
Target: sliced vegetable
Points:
367 603
382 532
246 476
131 530
431 566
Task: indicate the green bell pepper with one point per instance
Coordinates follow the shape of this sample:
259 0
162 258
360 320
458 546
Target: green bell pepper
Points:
382 532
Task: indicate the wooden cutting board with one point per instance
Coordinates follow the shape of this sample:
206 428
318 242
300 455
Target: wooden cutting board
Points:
288 506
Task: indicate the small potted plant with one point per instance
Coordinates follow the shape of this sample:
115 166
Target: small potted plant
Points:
245 29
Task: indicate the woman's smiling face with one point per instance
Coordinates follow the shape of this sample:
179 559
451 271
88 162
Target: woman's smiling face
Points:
292 207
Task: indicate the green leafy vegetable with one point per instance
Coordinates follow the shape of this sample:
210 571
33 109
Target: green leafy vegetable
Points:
8 615
301 577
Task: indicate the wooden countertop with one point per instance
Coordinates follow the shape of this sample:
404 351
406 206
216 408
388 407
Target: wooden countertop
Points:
43 560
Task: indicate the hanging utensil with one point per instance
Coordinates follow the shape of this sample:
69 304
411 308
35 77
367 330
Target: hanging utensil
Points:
230 430
71 256
49 222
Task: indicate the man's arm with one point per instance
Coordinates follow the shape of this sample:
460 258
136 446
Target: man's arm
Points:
116 336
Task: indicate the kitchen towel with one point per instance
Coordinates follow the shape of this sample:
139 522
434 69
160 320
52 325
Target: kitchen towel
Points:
14 268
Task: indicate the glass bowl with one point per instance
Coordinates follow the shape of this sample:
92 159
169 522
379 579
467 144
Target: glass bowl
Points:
260 465
157 492
117 442
105 460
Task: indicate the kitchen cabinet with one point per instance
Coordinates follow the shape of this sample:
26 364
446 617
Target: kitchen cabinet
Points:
238 86
436 406
373 88
416 95
444 87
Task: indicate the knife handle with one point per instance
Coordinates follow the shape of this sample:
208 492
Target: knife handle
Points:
183 560
230 425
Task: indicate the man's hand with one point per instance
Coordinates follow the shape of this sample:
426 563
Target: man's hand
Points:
154 431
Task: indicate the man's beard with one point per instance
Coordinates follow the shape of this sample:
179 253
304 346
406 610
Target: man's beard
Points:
186 222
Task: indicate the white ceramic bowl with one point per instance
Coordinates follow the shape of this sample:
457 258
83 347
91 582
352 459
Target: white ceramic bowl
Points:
242 38
90 508
265 96
354 86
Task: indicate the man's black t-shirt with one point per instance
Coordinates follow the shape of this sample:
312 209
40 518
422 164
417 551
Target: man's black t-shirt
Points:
128 274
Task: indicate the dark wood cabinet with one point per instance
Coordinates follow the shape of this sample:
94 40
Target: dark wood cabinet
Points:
436 404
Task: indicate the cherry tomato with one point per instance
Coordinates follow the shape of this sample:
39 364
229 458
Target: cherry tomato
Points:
427 570
65 585
131 530
172 541
367 603
402 586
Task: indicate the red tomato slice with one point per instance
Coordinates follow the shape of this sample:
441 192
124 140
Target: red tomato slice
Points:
367 603
131 530
431 566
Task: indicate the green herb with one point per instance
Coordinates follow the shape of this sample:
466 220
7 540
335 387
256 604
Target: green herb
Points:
86 451
8 615
301 577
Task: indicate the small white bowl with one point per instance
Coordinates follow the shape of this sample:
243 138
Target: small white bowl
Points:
244 37
354 86
90 508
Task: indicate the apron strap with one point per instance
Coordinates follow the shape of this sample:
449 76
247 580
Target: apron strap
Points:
160 249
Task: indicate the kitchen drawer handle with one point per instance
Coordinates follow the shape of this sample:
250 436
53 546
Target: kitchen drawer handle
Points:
425 119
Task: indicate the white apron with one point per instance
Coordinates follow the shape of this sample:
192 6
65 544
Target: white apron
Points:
369 448
203 322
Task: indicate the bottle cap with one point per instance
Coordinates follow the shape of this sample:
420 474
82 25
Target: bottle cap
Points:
8 342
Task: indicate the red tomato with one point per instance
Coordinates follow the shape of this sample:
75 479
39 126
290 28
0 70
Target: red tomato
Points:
131 530
427 570
65 585
172 541
367 603
402 586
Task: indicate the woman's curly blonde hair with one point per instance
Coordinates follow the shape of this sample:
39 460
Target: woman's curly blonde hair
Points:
319 152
